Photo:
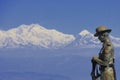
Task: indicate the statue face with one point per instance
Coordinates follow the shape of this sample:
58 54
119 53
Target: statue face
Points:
101 37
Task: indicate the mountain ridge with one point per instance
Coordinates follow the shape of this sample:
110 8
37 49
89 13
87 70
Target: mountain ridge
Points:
35 35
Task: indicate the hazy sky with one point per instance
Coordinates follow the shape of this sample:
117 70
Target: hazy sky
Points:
68 16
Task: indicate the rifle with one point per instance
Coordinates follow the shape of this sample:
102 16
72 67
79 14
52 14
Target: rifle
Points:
94 74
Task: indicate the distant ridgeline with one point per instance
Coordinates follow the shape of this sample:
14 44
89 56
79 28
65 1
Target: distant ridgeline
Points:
37 36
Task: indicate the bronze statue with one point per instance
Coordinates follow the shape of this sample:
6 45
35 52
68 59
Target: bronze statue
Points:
103 66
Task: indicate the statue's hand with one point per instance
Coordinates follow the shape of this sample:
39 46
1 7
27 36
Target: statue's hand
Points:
95 58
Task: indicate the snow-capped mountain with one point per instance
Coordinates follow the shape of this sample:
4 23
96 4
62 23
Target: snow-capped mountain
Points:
87 40
34 35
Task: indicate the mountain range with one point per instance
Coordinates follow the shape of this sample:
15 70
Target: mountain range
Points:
35 35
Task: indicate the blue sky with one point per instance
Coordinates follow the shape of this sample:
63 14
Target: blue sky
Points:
67 16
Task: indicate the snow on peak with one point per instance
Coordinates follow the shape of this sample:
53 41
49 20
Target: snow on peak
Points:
34 35
38 36
31 26
84 32
86 39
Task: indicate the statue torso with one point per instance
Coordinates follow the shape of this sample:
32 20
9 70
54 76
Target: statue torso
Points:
107 57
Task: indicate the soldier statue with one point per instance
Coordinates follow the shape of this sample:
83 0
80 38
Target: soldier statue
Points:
103 66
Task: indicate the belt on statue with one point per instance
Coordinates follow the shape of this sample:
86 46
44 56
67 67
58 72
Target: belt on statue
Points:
103 67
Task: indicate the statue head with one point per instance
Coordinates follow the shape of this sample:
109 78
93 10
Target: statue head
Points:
102 33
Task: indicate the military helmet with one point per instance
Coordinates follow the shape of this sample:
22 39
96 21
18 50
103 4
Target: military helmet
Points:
101 29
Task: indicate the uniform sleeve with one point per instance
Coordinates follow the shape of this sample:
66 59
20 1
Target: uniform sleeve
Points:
99 61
